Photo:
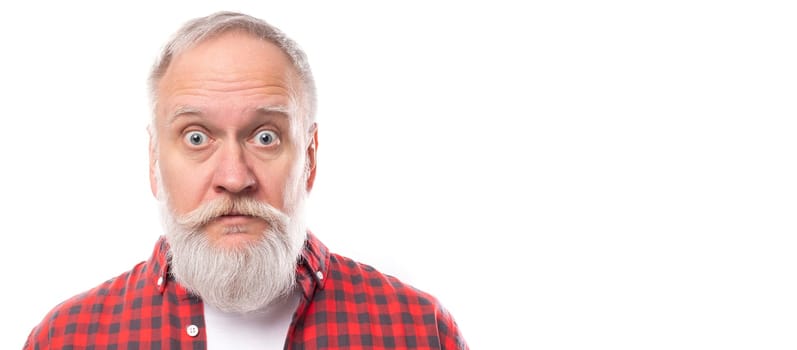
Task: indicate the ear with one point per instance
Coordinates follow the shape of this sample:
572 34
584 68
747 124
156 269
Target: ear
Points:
153 163
312 148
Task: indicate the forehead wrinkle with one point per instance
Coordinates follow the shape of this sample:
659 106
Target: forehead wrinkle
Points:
253 83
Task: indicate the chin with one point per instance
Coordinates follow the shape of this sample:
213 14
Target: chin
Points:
237 239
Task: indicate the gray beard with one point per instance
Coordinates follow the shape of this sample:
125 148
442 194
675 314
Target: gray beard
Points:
242 279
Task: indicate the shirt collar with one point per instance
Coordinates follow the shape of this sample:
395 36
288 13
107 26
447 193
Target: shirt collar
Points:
158 264
312 272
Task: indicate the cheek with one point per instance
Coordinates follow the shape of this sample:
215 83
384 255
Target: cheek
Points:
293 184
182 185
271 187
276 183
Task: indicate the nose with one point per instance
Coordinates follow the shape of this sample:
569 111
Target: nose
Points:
233 172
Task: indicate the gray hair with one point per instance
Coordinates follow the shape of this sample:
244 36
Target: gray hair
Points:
197 30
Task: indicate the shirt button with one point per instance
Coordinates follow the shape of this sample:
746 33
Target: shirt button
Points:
160 281
320 275
192 330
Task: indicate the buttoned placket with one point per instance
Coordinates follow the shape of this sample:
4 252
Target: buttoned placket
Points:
191 328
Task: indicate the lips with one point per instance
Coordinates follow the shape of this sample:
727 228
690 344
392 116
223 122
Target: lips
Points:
236 213
235 218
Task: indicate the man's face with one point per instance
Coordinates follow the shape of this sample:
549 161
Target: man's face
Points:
228 125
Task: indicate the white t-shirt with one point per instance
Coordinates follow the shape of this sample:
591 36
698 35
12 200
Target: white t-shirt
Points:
265 329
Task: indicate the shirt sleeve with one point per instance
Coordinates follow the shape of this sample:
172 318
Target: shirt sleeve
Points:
450 336
37 339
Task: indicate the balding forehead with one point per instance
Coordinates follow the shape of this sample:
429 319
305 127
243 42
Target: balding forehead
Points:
204 28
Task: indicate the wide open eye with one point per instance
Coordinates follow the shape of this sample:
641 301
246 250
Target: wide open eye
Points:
196 138
266 137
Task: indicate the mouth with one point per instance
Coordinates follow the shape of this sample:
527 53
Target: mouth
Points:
232 224
235 218
235 213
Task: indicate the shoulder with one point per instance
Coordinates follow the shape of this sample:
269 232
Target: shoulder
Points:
366 278
63 321
386 300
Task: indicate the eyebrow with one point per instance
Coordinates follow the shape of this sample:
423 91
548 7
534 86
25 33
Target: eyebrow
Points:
181 111
274 109
280 110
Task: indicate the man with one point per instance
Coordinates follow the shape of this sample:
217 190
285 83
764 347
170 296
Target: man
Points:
232 158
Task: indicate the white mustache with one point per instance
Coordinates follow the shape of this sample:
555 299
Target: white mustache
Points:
216 208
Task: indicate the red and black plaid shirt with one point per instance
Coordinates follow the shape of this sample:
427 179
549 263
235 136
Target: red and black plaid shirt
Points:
345 305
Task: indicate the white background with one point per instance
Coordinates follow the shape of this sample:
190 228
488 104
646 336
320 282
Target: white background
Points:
561 175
